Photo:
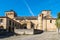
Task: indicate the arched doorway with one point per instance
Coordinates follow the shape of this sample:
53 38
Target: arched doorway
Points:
24 26
32 25
1 27
9 29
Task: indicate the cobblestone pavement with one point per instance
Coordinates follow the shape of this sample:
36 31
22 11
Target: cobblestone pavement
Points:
43 36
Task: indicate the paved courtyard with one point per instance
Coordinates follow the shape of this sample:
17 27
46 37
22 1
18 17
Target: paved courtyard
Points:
43 36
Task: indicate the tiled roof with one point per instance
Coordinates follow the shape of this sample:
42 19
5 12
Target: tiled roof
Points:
51 18
27 17
3 17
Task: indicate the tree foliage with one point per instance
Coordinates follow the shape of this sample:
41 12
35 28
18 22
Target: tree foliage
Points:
58 20
58 16
58 23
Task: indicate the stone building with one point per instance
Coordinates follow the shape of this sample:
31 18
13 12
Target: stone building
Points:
43 21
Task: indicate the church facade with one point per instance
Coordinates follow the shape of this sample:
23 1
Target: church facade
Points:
44 21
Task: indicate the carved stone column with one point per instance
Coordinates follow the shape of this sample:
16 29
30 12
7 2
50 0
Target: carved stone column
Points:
28 25
40 22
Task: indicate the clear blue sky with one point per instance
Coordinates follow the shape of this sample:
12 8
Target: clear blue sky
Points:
30 7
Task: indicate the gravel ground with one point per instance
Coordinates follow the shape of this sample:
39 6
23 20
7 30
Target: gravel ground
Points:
43 36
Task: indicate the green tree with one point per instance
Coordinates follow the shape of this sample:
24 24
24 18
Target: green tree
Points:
58 21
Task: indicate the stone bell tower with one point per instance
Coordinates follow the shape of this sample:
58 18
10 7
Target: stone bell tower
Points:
11 14
42 22
46 13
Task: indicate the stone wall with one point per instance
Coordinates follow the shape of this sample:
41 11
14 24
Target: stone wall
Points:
3 23
51 26
24 31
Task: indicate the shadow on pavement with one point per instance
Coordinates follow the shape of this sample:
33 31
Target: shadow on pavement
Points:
5 34
36 31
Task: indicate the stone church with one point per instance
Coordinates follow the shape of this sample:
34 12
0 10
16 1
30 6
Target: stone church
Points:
44 21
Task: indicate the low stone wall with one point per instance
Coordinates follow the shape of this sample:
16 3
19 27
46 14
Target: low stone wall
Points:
24 31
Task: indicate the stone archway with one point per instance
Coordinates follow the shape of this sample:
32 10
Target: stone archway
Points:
24 26
32 25
1 27
9 29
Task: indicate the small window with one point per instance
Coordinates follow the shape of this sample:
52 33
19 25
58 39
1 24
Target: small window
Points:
50 21
1 20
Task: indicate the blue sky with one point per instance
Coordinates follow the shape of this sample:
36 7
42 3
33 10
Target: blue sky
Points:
30 7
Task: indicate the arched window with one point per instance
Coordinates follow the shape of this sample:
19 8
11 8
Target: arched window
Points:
50 21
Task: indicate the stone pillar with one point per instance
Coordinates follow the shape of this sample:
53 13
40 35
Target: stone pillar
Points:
40 22
44 24
28 25
35 26
12 26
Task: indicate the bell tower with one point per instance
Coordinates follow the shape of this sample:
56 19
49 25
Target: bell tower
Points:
42 22
46 13
11 14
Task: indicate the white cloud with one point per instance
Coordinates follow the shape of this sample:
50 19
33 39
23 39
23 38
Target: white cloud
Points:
29 8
